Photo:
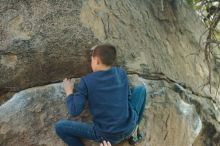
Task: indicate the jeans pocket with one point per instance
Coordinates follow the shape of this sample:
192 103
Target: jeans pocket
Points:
116 140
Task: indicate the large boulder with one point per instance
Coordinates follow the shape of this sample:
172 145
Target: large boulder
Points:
41 42
28 118
44 41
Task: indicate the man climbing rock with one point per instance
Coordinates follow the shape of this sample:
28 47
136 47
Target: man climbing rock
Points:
116 111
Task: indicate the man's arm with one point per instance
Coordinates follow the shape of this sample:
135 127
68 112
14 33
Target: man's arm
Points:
127 82
75 101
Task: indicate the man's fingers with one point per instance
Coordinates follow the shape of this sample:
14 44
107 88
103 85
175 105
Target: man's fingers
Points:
105 143
66 80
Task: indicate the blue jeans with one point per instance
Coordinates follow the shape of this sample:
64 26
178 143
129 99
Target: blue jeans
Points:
138 100
71 132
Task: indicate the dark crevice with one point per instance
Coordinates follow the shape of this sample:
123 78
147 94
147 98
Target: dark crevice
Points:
149 76
162 76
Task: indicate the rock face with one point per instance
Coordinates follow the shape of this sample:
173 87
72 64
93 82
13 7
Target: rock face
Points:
28 117
41 42
44 41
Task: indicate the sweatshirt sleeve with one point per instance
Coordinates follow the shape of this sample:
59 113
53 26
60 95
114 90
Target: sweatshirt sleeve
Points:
127 82
75 102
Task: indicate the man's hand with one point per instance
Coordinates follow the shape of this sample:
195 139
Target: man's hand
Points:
68 86
104 143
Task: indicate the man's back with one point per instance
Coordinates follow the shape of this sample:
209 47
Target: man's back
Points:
106 90
108 93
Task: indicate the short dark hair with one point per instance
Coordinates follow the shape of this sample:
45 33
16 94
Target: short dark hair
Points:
106 53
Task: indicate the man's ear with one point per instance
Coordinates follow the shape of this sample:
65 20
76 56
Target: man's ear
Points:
98 61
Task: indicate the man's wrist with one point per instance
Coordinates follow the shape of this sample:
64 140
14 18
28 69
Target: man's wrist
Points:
69 93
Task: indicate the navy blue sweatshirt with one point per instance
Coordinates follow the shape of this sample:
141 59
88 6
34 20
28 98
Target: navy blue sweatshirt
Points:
107 93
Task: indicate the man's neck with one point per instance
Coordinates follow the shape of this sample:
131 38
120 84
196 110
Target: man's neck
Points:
104 68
